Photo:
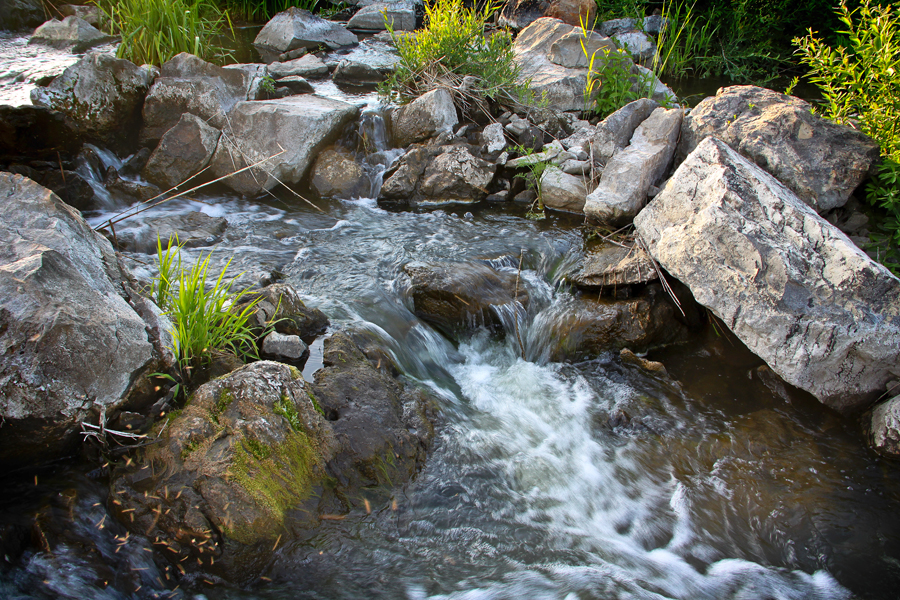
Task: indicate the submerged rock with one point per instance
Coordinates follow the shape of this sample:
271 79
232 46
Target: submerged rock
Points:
460 296
183 151
614 266
101 94
296 28
791 286
820 161
192 230
73 335
630 173
72 33
288 132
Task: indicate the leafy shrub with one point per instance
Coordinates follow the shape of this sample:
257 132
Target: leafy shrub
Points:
201 317
454 44
613 86
153 31
860 85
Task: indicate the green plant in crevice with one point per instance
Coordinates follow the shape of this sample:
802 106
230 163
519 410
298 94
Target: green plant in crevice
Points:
532 179
153 31
202 318
860 85
455 43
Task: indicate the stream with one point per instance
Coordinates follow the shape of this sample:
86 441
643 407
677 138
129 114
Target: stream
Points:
591 479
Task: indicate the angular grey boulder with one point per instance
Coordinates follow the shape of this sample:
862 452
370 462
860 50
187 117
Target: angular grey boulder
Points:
183 151
401 16
574 50
561 191
71 33
337 174
101 94
792 287
614 132
71 339
187 84
296 28
456 176
293 128
424 117
820 161
630 173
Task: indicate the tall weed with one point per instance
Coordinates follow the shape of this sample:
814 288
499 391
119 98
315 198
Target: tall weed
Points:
153 31
683 43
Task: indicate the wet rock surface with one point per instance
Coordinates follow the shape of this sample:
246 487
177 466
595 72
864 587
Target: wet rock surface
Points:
72 33
460 296
71 341
296 28
281 305
35 133
182 152
191 230
820 161
101 94
424 117
338 174
884 427
611 265
791 286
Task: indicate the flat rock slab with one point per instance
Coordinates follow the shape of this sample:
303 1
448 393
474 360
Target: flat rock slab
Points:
610 265
820 161
791 286
308 66
298 125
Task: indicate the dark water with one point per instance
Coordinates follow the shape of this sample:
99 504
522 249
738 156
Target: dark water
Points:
585 480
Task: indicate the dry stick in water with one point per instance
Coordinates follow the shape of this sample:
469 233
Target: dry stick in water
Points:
516 302
659 272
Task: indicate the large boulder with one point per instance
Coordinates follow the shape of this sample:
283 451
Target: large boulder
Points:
35 133
792 287
101 94
461 296
424 117
72 33
183 151
561 191
20 14
296 28
401 16
519 14
188 84
614 132
246 456
456 175
628 176
280 304
820 161
575 50
73 338
288 132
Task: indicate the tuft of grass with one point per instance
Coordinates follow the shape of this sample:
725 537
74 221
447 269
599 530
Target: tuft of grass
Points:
683 42
153 31
454 43
201 317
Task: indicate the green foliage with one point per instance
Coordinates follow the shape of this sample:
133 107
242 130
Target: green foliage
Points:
683 43
286 409
262 10
860 85
153 31
453 45
533 181
201 317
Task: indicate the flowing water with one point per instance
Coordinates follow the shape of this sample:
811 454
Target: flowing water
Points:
584 480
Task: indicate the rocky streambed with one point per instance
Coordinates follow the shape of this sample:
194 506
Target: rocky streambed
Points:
457 400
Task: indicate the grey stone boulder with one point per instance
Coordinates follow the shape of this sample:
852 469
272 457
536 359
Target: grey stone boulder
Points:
20 14
459 296
288 349
30 133
400 15
493 138
295 84
401 184
614 132
192 230
629 175
366 64
791 286
609 265
296 28
293 128
353 73
561 191
519 14
455 176
640 46
72 336
89 14
188 84
308 67
424 117
281 304
568 50
820 161
338 174
615 26
884 427
72 33
183 151
101 94
649 85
